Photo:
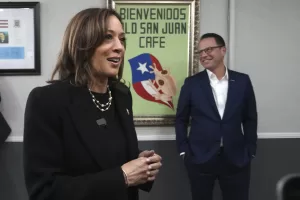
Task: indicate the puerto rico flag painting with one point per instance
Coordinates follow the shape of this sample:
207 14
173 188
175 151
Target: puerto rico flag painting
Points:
151 82
160 54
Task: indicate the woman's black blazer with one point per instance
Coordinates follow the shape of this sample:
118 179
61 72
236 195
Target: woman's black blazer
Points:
63 160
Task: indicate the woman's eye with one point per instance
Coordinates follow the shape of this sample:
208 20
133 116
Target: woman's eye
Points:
108 37
123 40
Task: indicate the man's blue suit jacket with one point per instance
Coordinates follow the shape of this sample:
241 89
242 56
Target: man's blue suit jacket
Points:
238 127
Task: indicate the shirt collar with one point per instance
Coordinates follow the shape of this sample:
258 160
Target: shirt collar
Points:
211 75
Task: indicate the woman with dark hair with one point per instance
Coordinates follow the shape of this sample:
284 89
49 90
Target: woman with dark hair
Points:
79 137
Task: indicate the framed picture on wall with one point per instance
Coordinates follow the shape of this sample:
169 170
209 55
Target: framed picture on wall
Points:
161 46
19 38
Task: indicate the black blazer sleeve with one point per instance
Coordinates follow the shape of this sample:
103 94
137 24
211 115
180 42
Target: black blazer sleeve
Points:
44 159
146 186
5 129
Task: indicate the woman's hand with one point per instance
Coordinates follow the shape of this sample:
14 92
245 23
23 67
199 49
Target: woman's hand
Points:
142 169
146 153
154 166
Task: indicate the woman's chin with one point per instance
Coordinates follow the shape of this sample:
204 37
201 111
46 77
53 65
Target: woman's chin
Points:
112 73
108 74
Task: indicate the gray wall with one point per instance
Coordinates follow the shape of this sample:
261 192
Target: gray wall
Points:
276 157
266 47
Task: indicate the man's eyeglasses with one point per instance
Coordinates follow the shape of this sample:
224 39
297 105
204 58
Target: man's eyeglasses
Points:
208 50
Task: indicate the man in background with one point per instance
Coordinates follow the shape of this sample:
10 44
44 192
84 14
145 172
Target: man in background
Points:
223 134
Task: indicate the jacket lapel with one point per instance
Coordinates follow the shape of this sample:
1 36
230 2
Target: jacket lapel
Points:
232 95
209 93
123 102
84 115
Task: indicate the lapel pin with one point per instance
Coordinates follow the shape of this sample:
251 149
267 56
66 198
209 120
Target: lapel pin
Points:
232 80
127 111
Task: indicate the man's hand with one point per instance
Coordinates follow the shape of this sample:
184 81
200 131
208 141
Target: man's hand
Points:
182 156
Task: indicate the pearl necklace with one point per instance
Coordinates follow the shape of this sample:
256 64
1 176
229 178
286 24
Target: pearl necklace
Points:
100 106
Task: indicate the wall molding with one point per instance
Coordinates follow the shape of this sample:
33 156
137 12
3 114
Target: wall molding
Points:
162 137
15 139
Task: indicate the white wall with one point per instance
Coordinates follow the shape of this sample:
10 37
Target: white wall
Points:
268 49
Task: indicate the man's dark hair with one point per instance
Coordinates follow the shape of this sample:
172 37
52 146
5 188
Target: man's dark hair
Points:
219 40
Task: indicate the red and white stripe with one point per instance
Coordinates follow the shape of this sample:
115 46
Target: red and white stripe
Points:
3 23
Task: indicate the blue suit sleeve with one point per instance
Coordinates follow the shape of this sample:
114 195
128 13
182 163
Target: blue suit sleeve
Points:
182 118
250 119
